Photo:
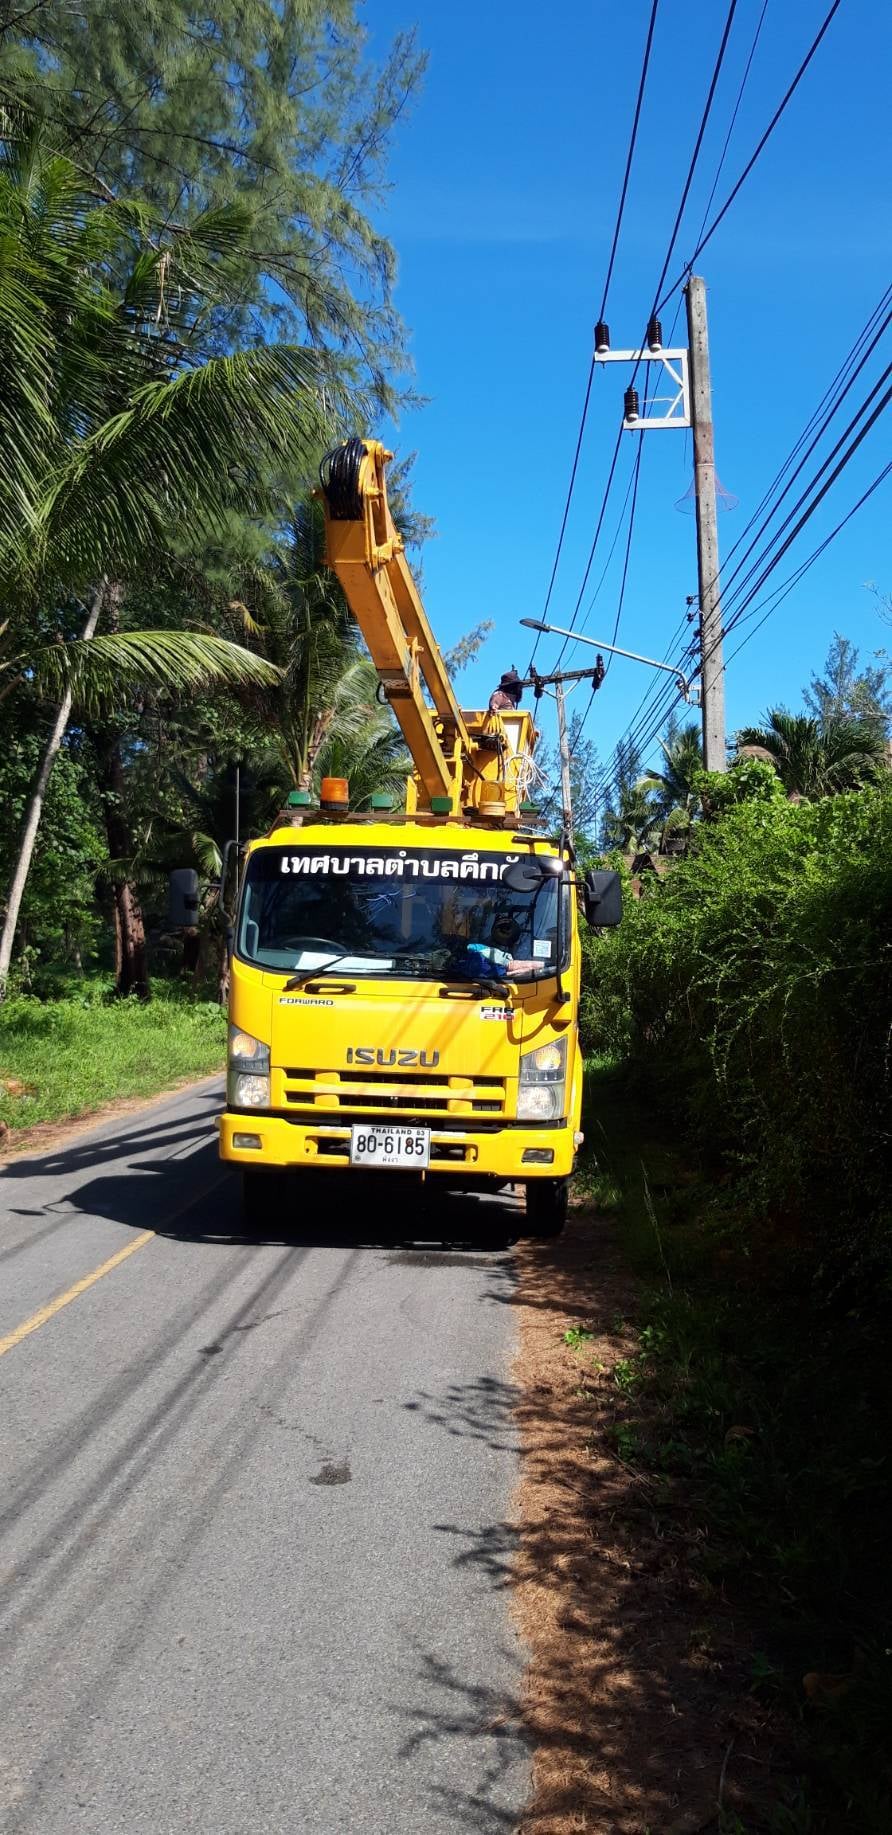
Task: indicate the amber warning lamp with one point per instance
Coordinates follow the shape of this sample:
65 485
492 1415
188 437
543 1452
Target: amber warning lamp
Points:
334 793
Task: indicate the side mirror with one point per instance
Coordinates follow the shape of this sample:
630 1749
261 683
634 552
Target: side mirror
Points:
529 874
182 899
602 897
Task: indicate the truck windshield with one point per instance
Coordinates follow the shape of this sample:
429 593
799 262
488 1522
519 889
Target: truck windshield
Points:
436 916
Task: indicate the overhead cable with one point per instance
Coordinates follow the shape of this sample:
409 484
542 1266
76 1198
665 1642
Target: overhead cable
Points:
707 109
722 213
794 579
629 157
609 276
724 152
806 494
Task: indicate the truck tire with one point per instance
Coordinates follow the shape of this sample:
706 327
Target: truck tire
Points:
547 1201
260 1195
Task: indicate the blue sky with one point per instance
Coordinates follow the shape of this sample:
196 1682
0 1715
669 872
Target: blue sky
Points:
505 183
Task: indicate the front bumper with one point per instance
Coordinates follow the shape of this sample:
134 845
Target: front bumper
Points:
496 1153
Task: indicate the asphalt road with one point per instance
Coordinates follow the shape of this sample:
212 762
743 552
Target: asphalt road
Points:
253 1501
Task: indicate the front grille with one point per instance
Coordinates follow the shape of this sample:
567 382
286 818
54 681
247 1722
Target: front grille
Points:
391 1094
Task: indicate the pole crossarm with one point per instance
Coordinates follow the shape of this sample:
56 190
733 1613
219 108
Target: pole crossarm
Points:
676 405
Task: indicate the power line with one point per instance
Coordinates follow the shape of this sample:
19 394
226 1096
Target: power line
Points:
782 592
598 527
653 705
631 490
721 214
613 248
707 109
841 376
659 710
611 550
622 591
629 156
728 597
702 240
813 505
724 153
640 736
557 555
625 573
652 710
816 500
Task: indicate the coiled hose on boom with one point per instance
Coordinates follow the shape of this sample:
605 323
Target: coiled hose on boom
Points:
339 478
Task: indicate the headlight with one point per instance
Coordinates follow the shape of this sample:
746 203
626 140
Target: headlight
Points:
248 1092
247 1084
540 1096
547 1062
540 1102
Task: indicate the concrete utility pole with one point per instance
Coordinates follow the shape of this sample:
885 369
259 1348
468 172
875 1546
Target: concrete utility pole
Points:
566 792
712 665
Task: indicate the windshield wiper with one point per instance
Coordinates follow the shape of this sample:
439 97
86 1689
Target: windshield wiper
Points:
312 974
474 990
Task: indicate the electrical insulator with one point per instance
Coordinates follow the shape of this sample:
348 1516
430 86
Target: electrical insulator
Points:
630 402
654 335
602 337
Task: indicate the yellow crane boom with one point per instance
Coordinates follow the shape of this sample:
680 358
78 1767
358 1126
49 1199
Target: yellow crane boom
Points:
477 760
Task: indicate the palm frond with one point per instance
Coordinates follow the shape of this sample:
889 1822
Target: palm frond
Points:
186 449
173 662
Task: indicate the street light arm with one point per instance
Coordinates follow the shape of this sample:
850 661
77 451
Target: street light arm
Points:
556 630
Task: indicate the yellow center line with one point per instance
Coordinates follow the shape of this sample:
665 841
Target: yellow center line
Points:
73 1293
64 1299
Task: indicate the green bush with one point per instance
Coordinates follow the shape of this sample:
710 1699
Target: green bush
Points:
752 989
66 1057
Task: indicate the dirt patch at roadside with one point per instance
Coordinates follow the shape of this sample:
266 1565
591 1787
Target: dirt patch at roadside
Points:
638 1706
44 1134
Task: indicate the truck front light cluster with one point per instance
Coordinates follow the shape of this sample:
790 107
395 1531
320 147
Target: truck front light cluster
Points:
247 1082
543 1073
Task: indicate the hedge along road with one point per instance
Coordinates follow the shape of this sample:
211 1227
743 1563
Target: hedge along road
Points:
253 1500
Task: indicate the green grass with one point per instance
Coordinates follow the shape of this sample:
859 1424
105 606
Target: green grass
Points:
761 1413
73 1055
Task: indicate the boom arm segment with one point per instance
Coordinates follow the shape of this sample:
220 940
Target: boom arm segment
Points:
366 551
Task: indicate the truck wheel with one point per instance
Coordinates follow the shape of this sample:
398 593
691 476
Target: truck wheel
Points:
260 1190
547 1201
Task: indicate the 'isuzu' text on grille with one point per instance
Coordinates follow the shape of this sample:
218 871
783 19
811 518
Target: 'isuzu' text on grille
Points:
366 1054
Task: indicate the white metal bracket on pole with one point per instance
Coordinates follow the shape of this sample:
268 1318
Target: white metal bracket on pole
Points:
676 406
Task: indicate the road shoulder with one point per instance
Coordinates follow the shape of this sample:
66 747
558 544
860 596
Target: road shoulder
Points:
637 1691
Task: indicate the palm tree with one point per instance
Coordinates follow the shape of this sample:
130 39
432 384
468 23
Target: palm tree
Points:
363 742
116 447
674 788
815 758
633 825
322 714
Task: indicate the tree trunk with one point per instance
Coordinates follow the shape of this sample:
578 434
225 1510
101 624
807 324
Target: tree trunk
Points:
131 964
131 961
34 809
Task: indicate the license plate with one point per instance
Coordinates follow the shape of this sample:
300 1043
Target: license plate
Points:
406 1147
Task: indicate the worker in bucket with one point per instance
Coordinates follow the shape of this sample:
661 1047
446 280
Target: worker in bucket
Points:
506 697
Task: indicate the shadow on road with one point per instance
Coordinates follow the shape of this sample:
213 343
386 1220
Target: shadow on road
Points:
166 1176
121 1140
